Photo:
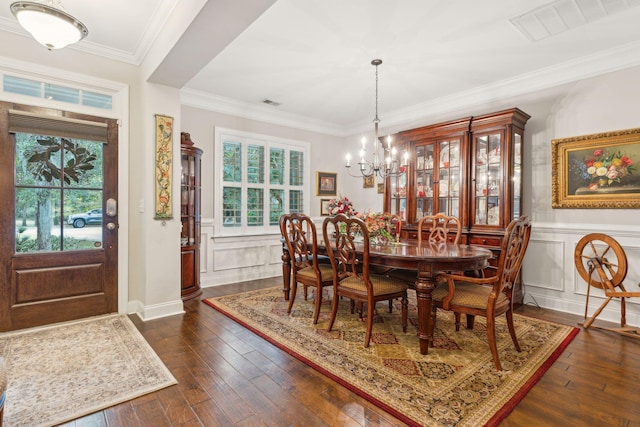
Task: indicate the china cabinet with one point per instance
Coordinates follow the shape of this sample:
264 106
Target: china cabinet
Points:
190 162
470 168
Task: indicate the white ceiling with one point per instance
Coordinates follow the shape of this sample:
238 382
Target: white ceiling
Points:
313 56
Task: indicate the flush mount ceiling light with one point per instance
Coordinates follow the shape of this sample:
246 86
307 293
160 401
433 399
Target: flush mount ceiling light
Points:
51 27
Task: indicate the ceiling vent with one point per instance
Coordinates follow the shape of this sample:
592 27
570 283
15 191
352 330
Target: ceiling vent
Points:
270 102
562 15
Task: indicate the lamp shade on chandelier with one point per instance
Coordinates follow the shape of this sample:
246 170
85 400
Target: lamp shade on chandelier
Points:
382 160
51 27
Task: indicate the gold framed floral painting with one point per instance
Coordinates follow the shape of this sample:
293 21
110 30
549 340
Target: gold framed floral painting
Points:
596 171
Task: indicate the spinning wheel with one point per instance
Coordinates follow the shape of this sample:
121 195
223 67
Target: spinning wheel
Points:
602 263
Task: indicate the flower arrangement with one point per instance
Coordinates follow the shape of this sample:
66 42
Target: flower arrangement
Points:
606 168
340 205
382 227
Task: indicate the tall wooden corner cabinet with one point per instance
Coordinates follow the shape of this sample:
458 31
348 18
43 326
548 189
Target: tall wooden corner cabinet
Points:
190 163
470 168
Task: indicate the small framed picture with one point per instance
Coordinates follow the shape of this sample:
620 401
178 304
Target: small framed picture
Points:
324 207
381 188
368 181
326 183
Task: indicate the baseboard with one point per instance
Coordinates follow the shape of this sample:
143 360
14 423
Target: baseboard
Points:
156 311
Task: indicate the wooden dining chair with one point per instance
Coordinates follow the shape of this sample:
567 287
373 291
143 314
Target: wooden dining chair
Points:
487 296
351 275
299 233
442 228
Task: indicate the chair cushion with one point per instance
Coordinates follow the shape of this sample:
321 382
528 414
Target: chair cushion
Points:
381 285
326 272
467 295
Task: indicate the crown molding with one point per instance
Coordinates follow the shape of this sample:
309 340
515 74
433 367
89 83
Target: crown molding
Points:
219 104
609 61
154 26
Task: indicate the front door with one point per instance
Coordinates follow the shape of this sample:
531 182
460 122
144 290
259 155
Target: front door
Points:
59 220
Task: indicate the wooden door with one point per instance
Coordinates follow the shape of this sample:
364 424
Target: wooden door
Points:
58 189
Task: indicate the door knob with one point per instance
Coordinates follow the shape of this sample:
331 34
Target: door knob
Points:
111 226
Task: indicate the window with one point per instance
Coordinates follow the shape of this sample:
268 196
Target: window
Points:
259 178
58 180
21 86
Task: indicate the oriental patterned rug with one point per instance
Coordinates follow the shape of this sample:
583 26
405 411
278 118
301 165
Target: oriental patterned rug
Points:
61 372
456 384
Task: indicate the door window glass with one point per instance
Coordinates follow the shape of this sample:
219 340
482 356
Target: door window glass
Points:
59 186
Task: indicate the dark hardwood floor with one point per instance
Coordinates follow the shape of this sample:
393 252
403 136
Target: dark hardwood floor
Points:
230 377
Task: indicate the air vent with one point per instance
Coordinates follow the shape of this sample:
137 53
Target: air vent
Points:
563 15
270 102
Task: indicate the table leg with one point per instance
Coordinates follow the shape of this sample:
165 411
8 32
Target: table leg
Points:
286 273
424 287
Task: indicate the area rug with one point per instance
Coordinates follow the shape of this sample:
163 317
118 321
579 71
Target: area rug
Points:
64 371
456 384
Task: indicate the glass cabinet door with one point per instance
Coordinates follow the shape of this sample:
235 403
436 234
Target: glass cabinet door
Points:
438 178
425 166
517 175
487 179
449 177
187 200
398 189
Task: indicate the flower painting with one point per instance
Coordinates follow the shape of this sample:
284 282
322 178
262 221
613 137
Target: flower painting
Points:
597 171
164 158
601 168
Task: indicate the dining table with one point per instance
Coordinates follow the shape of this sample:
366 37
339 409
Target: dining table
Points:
427 259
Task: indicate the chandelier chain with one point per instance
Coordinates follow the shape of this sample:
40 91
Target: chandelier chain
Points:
384 165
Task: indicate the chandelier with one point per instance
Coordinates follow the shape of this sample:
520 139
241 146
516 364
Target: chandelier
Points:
384 161
51 27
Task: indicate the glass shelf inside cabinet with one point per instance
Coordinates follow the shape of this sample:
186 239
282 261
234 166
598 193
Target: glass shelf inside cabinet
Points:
399 194
424 179
449 177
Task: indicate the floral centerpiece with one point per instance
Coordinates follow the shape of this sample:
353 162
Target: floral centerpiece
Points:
383 227
340 205
605 168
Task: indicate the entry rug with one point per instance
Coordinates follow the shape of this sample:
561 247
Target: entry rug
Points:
456 384
61 372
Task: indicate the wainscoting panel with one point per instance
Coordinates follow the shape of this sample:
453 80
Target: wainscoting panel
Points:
231 260
229 257
552 281
547 253
275 253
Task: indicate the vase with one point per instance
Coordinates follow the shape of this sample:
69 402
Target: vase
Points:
379 239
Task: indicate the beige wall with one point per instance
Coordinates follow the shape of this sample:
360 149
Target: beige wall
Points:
151 255
605 103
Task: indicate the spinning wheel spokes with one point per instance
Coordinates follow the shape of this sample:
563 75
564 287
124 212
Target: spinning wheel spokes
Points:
605 273
596 269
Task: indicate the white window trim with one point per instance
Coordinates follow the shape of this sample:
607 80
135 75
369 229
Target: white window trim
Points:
268 142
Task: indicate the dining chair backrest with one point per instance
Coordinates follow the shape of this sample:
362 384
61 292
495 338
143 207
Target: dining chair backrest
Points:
440 226
299 232
512 252
339 232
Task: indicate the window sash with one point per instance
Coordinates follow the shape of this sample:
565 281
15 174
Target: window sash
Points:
259 177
